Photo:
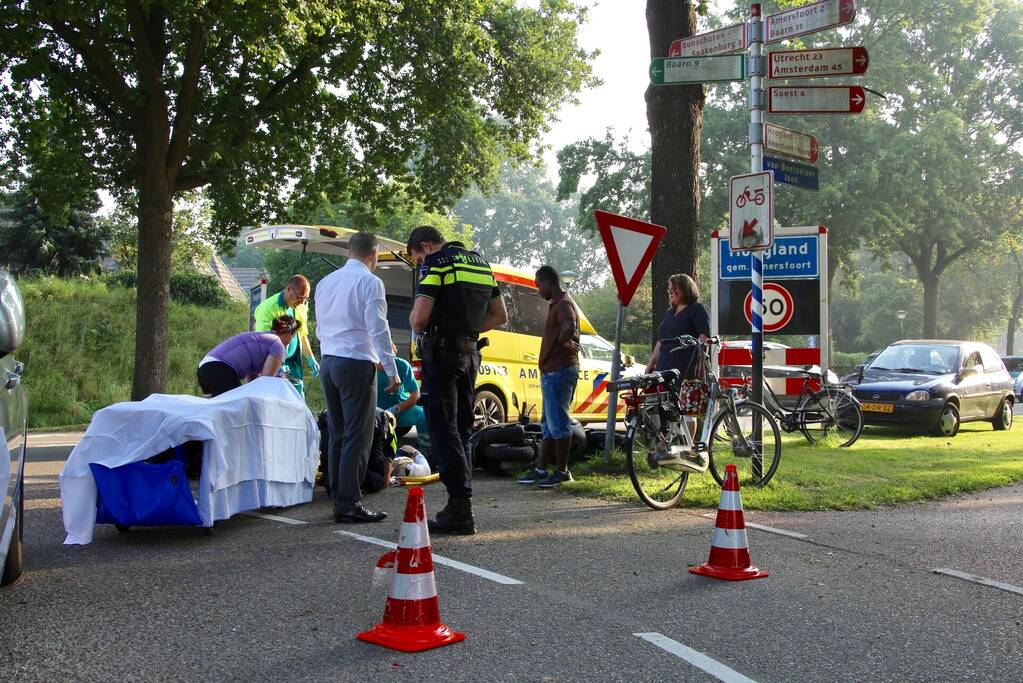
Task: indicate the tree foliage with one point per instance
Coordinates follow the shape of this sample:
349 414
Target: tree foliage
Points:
254 99
33 240
522 223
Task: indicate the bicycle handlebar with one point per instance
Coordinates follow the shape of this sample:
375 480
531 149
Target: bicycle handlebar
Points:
689 341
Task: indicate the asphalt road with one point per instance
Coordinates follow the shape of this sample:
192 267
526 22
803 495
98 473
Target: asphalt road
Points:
855 599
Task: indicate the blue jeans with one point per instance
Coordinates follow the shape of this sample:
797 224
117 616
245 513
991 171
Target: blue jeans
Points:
557 389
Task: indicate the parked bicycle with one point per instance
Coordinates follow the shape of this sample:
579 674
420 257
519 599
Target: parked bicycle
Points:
830 412
660 446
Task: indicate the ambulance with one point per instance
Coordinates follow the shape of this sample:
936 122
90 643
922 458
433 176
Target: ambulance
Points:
509 380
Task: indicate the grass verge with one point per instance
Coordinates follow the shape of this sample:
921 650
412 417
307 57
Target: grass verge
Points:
884 467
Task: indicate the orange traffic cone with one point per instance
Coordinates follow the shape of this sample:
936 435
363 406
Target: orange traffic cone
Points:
729 552
412 615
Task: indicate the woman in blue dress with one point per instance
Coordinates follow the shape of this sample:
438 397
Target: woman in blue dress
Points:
685 315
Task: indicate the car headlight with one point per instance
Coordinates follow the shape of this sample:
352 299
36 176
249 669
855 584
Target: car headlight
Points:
918 395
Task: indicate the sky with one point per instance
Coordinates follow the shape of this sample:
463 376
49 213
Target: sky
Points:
618 29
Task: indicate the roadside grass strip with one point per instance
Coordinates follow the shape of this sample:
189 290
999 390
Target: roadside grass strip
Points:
972 578
884 467
439 559
697 659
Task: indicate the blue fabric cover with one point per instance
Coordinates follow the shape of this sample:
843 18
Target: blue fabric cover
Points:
144 494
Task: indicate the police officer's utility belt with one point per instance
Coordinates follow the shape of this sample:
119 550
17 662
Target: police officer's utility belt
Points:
460 345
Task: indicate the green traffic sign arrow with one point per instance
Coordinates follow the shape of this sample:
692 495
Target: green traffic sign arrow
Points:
710 69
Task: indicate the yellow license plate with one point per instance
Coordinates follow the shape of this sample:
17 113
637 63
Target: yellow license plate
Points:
878 407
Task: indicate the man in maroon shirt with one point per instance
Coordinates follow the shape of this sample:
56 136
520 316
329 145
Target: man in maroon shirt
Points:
559 372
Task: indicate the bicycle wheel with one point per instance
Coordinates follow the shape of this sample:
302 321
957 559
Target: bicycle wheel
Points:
831 415
658 487
731 442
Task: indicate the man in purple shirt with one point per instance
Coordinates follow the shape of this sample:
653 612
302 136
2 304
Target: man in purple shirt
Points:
246 356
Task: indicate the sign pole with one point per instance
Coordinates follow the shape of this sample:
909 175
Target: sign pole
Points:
756 135
612 395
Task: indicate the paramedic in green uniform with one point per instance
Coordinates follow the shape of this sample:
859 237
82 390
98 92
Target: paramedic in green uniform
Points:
292 301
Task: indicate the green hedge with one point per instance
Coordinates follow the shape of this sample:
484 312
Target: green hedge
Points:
186 287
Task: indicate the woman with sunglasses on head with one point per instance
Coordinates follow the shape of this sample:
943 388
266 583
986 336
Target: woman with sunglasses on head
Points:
246 356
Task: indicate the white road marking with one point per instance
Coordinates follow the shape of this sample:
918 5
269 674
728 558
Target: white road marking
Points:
768 529
438 559
981 580
275 518
697 659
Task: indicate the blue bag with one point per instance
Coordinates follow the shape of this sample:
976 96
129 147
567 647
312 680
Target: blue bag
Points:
145 494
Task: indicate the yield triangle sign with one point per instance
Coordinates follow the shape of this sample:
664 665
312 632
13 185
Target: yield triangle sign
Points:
630 246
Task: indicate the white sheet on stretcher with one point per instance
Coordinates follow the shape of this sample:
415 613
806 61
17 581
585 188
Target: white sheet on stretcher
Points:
260 449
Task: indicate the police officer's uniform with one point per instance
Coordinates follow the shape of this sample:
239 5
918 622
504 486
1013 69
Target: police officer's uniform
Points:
462 285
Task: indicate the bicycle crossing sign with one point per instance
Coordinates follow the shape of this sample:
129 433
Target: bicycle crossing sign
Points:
751 211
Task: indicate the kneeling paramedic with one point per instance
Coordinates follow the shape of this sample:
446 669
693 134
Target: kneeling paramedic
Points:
456 299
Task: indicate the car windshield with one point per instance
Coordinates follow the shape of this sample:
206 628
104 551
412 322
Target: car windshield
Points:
1013 365
918 358
596 348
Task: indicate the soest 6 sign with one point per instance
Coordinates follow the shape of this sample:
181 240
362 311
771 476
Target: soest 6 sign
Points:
778 307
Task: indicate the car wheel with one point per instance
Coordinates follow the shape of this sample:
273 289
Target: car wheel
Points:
487 409
948 421
1003 418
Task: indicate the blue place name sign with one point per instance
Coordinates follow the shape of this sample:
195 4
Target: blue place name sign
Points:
793 173
788 257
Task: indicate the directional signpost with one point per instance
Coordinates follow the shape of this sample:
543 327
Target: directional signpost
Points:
835 61
807 19
820 99
793 173
697 69
720 42
791 143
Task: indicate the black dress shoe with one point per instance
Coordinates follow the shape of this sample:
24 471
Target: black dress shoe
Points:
359 515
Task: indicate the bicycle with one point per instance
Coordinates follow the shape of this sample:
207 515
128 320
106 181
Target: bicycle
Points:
830 410
660 452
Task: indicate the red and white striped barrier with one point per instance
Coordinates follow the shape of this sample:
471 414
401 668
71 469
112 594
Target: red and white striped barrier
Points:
729 551
783 386
412 615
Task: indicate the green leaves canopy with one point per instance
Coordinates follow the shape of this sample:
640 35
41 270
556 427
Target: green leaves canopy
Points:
263 100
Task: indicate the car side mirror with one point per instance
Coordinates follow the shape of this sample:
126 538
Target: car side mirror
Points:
965 373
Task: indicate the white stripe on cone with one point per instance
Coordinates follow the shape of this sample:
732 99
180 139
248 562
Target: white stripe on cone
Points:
413 587
414 535
731 539
730 500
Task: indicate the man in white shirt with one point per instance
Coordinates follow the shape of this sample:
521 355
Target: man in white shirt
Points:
351 324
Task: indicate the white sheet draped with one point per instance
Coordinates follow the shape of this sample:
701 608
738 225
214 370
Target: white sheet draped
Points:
260 449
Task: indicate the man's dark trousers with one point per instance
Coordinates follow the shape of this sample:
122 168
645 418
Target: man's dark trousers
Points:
450 381
350 392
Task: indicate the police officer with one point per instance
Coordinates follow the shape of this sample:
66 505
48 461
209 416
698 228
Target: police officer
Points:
456 299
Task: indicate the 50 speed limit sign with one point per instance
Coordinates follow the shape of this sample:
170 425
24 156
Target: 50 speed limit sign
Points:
778 307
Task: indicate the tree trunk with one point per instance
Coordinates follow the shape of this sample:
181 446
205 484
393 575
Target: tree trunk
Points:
675 117
156 217
1016 310
930 283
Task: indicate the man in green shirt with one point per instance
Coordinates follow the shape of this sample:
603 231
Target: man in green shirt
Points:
291 301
